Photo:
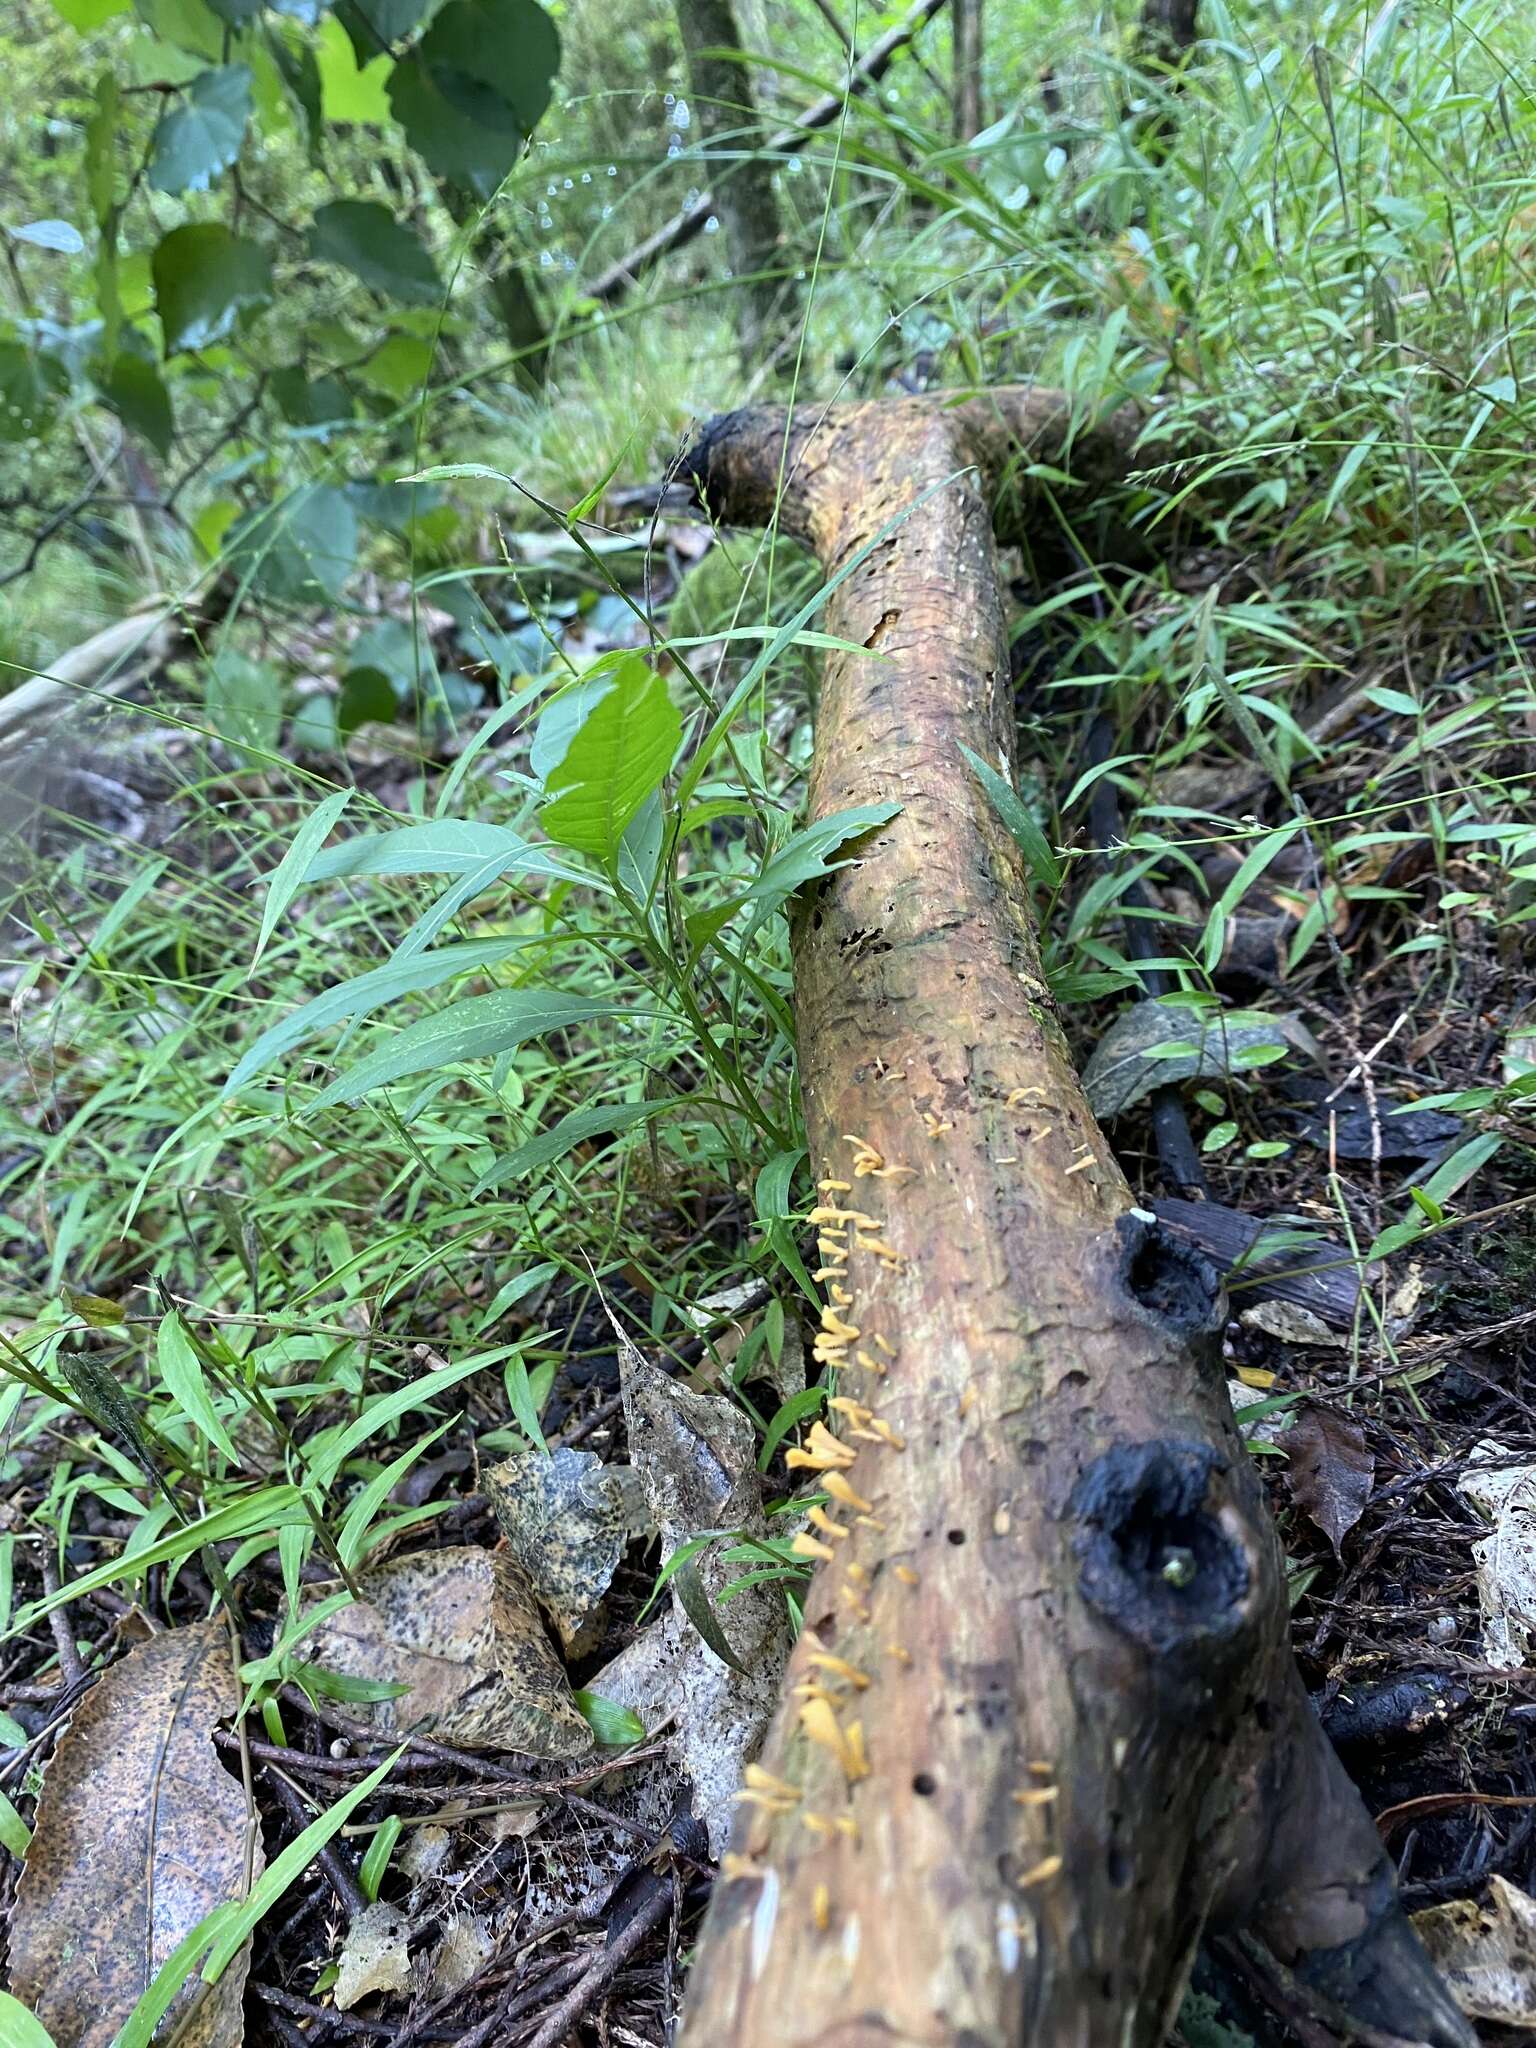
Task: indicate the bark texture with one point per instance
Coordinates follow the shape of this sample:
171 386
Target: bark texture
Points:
725 106
1042 1726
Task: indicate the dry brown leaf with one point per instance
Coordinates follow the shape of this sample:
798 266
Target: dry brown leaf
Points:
462 1629
140 1833
696 1453
1331 1471
374 1957
566 1519
1486 1953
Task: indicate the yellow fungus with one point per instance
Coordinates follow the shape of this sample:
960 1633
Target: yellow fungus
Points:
1082 1165
888 1349
884 1431
1038 1795
870 1364
733 1866
821 1908
869 1522
819 1824
820 1722
764 1800
1047 1868
840 1295
840 1489
899 1652
839 1667
821 1451
967 1400
804 1545
855 1411
835 1187
764 1781
936 1125
905 1573
1016 1096
857 1572
820 1519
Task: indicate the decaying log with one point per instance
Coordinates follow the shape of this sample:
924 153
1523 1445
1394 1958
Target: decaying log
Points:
1042 1726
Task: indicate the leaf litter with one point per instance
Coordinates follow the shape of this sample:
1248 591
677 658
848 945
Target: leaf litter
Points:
140 1834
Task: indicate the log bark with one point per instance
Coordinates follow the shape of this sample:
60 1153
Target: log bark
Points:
1042 1726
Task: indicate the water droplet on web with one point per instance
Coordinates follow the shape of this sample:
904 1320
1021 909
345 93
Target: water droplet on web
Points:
613 170
711 225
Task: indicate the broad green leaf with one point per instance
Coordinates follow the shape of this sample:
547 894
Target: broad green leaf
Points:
443 846
602 1120
364 994
474 87
61 236
399 368
31 385
366 239
614 762
181 1372
790 1414
351 94
288 875
614 1726
374 24
16 1836
204 278
477 1028
202 136
18 2027
566 712
300 74
410 1397
301 549
1154 1044
1015 814
88 15
366 695
244 703
133 388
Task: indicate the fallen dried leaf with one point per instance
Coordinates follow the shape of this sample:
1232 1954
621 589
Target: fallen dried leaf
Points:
1331 1471
1506 1558
1486 1953
461 1628
374 1957
566 1518
140 1833
696 1455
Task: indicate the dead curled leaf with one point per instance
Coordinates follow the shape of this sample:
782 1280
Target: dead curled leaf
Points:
566 1517
1125 1065
140 1833
462 1629
696 1454
1331 1470
1486 1953
374 1957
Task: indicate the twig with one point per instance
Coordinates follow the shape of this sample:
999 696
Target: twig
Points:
71 1664
342 1881
57 521
691 222
603 1968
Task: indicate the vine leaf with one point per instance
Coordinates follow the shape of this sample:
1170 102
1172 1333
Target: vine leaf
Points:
140 1834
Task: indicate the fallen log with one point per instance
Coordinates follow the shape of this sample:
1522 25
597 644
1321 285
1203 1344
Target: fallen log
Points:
1042 1727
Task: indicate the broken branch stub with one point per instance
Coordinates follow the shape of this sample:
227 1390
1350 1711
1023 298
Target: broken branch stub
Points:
1041 1726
